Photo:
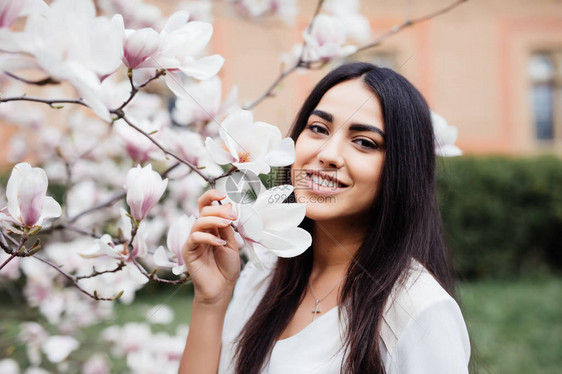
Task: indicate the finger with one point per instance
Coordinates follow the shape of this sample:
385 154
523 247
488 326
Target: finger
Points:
198 238
224 211
227 233
209 223
208 197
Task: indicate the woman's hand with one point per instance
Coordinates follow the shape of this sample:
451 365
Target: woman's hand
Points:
211 253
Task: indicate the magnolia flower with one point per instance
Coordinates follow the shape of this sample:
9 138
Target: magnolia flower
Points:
177 235
445 137
326 38
136 13
144 188
250 146
9 366
199 103
10 10
58 347
179 44
139 46
27 204
284 9
272 226
65 47
96 364
161 314
356 25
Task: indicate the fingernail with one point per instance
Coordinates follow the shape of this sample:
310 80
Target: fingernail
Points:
226 221
220 241
232 215
221 194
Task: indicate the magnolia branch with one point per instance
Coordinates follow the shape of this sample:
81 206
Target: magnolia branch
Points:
51 103
301 63
408 23
75 279
41 82
121 115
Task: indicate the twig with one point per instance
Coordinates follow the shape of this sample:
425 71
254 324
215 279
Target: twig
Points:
41 82
407 23
74 280
51 103
121 115
310 64
135 90
12 256
95 273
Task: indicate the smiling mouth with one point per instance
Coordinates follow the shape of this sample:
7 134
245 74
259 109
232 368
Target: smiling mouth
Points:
325 180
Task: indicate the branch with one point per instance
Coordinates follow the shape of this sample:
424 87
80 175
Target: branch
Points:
121 115
407 23
74 280
51 103
135 90
41 82
95 273
310 64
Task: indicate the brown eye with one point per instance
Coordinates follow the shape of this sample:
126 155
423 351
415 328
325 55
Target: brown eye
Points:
366 143
316 128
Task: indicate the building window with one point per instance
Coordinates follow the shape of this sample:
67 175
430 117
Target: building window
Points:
545 71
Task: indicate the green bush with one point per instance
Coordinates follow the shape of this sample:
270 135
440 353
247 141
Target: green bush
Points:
502 216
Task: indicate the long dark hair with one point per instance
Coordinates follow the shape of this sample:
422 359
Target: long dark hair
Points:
405 224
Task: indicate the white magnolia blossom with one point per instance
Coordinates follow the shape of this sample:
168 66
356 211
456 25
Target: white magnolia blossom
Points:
136 13
199 10
161 314
357 26
28 204
144 188
10 10
269 225
58 347
62 45
199 103
33 335
284 9
177 235
326 39
96 364
250 146
445 137
9 366
176 47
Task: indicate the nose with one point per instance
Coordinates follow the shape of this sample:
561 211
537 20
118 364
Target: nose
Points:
330 155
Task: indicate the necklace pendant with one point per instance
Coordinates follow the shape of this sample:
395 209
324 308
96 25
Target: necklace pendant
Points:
316 309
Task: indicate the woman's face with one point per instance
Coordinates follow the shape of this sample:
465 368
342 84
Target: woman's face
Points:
340 154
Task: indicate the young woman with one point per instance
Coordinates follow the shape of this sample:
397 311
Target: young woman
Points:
374 293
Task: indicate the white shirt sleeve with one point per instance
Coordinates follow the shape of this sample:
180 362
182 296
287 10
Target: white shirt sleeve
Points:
434 341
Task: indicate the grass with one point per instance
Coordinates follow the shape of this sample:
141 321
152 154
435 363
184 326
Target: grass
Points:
515 326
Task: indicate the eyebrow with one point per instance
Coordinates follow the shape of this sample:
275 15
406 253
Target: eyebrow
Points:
354 127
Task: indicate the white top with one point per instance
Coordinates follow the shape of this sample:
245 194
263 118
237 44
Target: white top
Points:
423 330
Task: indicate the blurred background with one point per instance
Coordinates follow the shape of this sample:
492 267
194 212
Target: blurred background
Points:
493 69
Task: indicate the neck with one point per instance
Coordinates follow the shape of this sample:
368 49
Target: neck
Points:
335 244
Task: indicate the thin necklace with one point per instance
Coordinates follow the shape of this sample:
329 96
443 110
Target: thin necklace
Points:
317 300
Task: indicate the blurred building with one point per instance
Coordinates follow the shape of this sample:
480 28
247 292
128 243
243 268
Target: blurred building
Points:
493 68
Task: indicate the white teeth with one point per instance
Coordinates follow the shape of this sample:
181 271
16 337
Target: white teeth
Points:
323 182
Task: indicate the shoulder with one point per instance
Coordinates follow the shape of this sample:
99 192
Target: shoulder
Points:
423 324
